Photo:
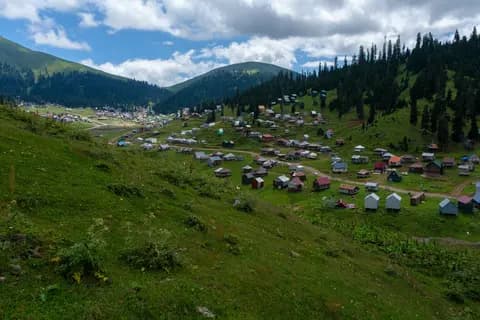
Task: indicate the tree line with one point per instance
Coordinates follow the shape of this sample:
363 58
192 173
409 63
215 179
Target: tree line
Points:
442 77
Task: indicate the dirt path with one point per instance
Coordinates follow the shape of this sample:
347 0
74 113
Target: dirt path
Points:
449 242
314 171
459 189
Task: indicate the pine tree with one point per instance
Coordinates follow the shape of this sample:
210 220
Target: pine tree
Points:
371 115
456 37
443 132
413 113
434 121
473 133
425 122
457 127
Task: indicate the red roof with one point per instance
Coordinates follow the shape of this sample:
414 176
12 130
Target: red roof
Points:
465 200
380 165
296 181
323 180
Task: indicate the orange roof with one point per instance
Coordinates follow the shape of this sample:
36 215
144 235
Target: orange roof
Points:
394 159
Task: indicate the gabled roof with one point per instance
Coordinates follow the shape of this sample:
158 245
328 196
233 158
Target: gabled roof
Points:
371 184
339 165
323 180
282 179
416 165
465 200
347 187
373 196
296 181
394 159
445 202
380 165
394 196
428 154
436 163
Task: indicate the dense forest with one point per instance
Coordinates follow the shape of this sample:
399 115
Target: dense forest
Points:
77 88
382 80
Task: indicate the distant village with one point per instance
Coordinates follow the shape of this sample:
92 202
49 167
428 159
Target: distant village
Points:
379 161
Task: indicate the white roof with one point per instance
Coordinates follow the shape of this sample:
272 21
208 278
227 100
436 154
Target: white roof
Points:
371 184
259 180
283 178
394 196
445 202
218 170
428 154
373 196
359 147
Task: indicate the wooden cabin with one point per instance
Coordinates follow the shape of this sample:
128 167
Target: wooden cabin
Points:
417 198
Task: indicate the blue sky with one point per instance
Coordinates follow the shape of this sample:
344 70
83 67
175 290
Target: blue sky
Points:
168 41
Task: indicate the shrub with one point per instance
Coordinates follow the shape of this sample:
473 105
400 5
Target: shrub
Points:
195 222
122 190
103 167
153 256
245 204
82 259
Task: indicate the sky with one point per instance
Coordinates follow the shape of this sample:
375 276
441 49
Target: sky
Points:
168 41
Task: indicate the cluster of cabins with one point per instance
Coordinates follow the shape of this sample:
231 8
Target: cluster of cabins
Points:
215 160
463 204
389 163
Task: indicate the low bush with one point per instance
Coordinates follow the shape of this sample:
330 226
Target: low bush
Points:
195 222
122 190
82 260
153 256
245 204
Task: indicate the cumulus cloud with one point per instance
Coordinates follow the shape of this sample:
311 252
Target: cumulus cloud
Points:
59 39
47 32
274 31
163 72
168 43
87 20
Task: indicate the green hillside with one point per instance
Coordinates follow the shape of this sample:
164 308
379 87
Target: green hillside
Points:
43 78
89 231
20 57
256 70
220 84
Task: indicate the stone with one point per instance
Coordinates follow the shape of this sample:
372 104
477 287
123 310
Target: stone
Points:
205 312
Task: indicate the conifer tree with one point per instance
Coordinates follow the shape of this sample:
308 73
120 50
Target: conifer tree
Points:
413 113
443 132
473 133
425 122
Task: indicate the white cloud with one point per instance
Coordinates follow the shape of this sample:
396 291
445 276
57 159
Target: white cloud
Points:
276 31
168 43
59 39
87 20
166 72
317 63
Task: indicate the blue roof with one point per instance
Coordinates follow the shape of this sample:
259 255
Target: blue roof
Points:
339 165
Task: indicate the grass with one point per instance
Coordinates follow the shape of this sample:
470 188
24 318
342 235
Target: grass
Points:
272 263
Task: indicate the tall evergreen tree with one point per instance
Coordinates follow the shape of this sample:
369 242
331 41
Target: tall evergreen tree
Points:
413 113
473 133
443 132
425 122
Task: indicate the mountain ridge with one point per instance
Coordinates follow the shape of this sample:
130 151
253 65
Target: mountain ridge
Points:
27 74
